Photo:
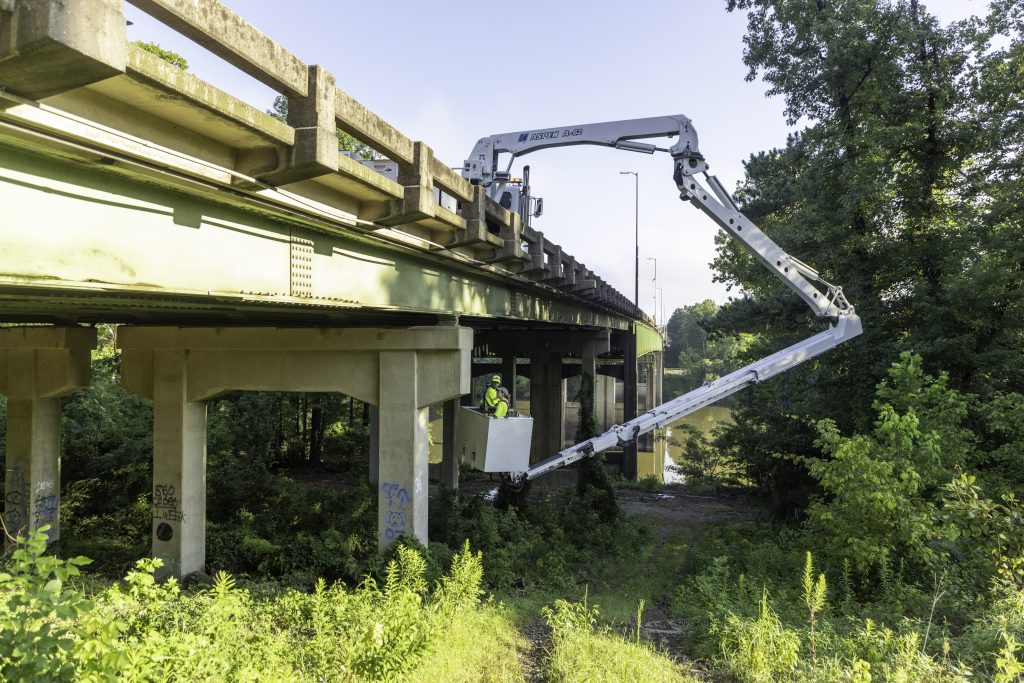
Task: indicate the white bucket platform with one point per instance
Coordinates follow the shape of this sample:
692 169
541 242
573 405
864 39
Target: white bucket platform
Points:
493 444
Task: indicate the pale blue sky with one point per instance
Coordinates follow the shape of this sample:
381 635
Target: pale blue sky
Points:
448 73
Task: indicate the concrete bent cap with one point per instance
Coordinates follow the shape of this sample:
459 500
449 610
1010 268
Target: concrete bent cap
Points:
47 337
295 339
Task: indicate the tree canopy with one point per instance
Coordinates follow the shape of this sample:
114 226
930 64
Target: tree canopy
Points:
902 183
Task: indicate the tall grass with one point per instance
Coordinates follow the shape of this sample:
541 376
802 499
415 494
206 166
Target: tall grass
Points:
759 625
140 630
581 652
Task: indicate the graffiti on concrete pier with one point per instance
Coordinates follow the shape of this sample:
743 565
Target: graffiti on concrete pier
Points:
396 499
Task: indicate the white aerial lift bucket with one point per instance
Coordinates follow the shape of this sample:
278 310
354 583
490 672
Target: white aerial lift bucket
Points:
493 444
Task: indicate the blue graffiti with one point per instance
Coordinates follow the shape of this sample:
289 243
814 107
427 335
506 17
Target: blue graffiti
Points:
396 498
396 495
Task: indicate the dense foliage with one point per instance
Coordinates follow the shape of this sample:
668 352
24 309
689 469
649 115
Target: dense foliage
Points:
702 357
903 183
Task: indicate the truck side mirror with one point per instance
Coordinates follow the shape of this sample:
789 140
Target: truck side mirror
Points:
538 207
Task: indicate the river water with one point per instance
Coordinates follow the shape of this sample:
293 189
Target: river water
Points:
705 420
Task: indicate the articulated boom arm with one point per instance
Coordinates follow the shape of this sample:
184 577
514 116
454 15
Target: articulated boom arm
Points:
848 326
826 302
481 168
796 274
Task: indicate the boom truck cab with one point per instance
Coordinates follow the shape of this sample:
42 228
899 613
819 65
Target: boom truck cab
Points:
705 191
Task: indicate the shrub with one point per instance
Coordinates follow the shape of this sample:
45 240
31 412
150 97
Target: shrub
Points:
878 489
142 630
48 630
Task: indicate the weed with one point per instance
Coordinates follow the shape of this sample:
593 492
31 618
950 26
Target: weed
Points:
814 599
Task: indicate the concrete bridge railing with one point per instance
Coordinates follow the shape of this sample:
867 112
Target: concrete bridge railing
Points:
50 48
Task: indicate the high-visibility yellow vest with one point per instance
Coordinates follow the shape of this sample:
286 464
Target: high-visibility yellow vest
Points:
501 410
489 401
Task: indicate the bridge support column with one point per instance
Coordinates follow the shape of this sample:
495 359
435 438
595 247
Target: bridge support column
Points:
402 491
401 371
547 404
605 400
374 473
508 377
588 396
179 468
629 395
38 365
449 461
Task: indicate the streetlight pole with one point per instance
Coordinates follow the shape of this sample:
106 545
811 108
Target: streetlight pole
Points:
636 222
651 258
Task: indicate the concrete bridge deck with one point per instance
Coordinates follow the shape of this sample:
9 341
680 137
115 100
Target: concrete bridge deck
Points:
242 252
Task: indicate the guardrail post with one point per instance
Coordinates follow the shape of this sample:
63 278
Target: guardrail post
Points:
418 181
315 152
51 47
512 236
475 214
537 266
553 268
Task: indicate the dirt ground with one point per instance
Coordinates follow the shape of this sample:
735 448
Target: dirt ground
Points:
673 507
675 511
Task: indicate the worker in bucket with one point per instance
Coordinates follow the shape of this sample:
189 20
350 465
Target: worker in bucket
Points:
504 403
489 403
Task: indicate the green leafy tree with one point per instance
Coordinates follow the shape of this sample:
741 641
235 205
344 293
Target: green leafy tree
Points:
702 462
700 356
881 491
686 330
720 356
890 187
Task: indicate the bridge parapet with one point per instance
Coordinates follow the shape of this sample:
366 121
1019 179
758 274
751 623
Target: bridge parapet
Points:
133 110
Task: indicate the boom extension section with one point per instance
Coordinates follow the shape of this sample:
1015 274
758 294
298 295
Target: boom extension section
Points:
667 413
796 274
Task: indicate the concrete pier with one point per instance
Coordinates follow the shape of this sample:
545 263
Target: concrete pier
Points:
401 371
547 403
38 366
627 342
402 489
449 458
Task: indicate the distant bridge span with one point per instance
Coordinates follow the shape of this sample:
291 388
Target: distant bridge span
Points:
241 252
